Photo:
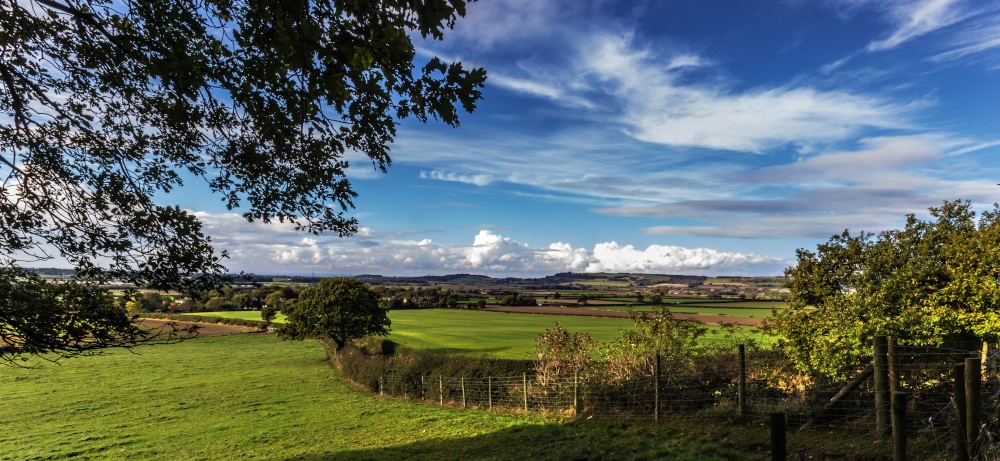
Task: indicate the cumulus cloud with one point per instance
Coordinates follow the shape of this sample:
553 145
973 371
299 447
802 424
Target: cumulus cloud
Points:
277 249
612 257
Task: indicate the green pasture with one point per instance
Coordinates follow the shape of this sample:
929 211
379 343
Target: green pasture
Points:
494 334
497 334
252 396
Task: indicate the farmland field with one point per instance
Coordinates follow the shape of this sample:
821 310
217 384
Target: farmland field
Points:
492 334
747 310
251 396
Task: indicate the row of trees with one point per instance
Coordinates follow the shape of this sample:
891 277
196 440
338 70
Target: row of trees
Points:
934 282
225 299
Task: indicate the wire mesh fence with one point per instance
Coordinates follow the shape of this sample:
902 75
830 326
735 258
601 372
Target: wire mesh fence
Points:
825 419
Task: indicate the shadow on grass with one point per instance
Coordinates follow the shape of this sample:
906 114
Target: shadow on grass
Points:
591 440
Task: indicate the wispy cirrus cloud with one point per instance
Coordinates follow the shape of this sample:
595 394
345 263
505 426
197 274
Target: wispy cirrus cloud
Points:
475 179
659 105
859 189
913 19
977 37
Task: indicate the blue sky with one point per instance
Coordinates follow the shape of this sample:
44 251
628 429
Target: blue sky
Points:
706 137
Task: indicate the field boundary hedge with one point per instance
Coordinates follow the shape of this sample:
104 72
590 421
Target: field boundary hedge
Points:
708 392
258 324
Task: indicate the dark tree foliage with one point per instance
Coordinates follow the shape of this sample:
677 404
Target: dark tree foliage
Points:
513 298
105 105
339 309
73 318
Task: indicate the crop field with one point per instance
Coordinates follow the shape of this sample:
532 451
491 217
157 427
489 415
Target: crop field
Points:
748 309
493 334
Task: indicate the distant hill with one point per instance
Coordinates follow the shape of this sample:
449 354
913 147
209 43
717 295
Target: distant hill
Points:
549 281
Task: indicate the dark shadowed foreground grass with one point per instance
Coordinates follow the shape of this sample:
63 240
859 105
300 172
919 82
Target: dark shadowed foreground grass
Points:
255 397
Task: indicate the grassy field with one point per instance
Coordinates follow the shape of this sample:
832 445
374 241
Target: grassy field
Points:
493 334
496 334
255 397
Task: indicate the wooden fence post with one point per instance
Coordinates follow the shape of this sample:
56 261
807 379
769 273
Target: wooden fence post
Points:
440 390
463 392
961 450
882 397
379 385
421 386
778 448
899 426
894 376
524 381
742 399
489 390
974 406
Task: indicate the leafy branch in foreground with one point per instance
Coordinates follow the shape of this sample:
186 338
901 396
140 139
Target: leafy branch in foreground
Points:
108 106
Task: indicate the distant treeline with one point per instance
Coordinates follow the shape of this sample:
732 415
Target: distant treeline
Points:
555 281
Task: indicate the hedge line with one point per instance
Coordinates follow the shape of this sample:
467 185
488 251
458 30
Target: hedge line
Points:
369 360
259 324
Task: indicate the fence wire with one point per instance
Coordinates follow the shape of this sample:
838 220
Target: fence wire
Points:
820 426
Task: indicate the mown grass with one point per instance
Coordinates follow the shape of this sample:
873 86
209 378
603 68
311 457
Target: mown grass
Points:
255 397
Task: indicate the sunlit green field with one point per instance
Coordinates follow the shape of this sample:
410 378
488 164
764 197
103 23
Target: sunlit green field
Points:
252 396
493 334
240 396
496 334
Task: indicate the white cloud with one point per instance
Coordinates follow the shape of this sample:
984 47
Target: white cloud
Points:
878 158
493 251
489 23
976 37
475 179
659 106
553 91
275 249
869 188
916 18
612 257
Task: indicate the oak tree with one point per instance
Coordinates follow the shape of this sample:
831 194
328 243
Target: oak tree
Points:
339 309
107 106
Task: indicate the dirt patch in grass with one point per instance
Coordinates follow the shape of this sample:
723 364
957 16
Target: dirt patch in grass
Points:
583 311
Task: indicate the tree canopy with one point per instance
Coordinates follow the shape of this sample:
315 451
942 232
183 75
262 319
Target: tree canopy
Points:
934 282
339 309
105 106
